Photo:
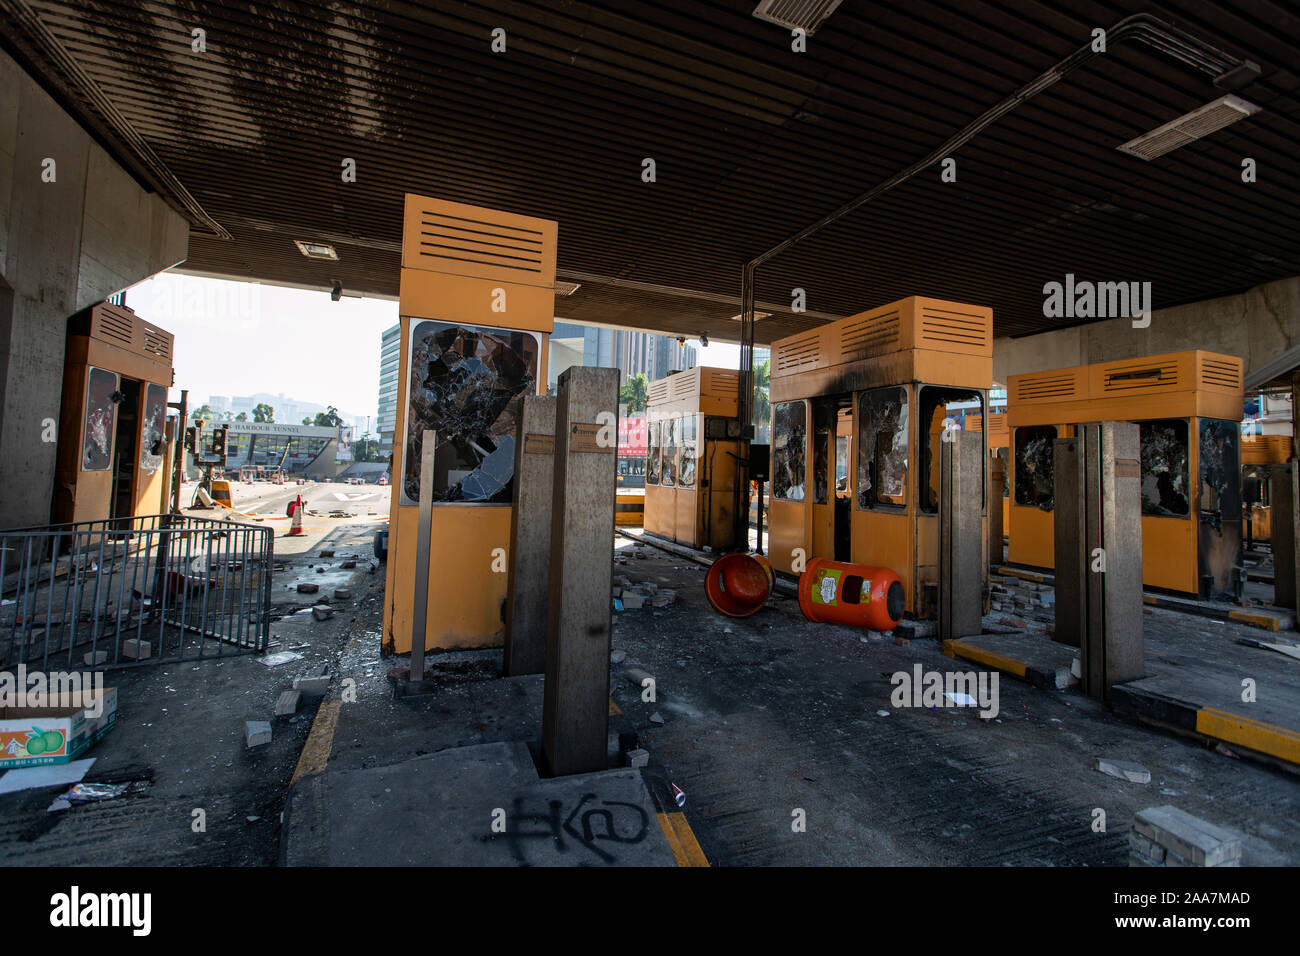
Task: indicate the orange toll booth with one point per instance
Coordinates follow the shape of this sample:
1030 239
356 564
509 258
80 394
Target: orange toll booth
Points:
477 309
113 458
859 408
1188 406
1259 453
690 477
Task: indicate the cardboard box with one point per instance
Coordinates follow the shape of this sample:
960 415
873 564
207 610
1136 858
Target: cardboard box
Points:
64 728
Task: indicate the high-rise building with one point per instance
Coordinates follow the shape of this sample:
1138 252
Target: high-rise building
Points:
386 423
632 353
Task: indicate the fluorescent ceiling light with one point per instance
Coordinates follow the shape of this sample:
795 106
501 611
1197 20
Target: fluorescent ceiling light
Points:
566 288
1190 127
316 250
806 15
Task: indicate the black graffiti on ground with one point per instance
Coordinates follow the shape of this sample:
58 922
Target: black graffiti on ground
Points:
613 821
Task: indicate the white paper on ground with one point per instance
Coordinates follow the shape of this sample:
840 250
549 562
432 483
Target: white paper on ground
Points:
47 775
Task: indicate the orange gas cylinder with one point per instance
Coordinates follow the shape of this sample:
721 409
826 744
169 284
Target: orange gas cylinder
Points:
836 593
739 584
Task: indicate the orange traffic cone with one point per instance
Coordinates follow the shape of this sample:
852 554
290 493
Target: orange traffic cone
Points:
295 511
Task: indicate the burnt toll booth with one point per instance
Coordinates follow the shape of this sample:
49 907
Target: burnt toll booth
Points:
477 307
1188 408
112 458
859 408
691 465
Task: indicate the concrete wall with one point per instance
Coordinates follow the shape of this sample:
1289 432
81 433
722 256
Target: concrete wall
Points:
1257 325
64 245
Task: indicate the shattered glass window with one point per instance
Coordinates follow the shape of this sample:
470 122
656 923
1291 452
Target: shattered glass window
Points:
462 379
690 452
97 445
1164 467
943 408
789 442
652 454
882 449
668 467
1218 461
1033 479
153 438
821 464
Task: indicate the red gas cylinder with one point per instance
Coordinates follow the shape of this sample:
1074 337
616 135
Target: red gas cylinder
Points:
739 584
855 594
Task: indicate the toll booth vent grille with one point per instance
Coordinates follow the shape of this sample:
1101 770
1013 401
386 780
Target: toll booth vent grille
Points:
724 384
1127 378
658 391
869 336
945 327
682 385
157 342
448 239
114 327
1221 374
1046 386
798 354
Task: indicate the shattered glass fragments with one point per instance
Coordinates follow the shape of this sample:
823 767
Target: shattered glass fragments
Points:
1034 454
690 452
153 434
882 448
668 466
652 453
100 416
789 442
1220 495
462 379
1164 467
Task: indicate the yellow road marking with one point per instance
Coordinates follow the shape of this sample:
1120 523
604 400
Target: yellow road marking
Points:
1266 738
681 838
1266 621
316 752
981 656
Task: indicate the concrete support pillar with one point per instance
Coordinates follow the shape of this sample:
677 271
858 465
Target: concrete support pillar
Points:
1098 524
961 541
527 596
997 485
575 711
74 229
1284 496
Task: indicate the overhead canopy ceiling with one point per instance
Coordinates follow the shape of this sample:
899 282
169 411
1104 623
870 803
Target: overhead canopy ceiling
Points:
751 142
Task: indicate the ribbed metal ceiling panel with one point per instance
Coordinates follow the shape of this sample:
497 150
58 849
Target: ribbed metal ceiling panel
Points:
751 142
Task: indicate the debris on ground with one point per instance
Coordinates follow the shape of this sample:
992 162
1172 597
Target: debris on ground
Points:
279 657
315 683
257 733
305 588
322 612
287 703
657 719
1124 769
617 657
637 758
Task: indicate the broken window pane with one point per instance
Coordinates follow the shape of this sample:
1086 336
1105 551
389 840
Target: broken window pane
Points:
461 381
1033 479
1218 461
789 441
686 478
821 463
943 408
153 436
882 449
1164 467
652 454
97 445
668 466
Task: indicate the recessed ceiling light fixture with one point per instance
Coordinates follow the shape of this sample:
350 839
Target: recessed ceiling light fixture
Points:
1190 127
757 316
566 288
316 250
806 15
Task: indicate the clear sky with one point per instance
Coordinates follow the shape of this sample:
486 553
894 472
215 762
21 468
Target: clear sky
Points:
237 338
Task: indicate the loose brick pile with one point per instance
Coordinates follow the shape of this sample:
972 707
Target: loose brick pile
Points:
1027 599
